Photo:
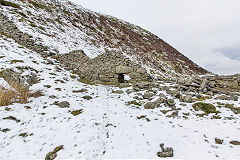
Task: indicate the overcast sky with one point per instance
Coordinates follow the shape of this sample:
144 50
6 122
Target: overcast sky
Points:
206 31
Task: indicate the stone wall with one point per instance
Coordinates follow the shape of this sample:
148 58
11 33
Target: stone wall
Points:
108 67
216 84
228 83
10 30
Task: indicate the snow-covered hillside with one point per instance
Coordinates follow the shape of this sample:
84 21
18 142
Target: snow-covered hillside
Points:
62 27
76 120
106 126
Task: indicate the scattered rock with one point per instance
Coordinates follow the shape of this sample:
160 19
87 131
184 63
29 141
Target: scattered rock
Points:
134 103
63 104
168 152
47 86
170 102
49 61
23 134
52 97
27 107
159 101
187 99
150 105
218 141
80 91
142 85
4 130
52 155
206 107
222 97
233 98
11 118
77 112
117 91
87 97
235 142
147 95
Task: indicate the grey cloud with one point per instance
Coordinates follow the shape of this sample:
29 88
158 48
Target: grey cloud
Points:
233 53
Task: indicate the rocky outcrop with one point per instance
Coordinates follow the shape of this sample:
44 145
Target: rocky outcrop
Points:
13 77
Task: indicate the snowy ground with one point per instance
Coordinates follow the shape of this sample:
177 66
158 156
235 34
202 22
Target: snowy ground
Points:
107 128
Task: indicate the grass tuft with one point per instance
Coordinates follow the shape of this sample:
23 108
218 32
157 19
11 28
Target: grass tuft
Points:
17 94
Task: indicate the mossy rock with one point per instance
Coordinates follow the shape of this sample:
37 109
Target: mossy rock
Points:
23 135
232 108
117 91
134 103
110 83
86 81
165 111
186 114
205 107
220 104
80 91
77 112
16 61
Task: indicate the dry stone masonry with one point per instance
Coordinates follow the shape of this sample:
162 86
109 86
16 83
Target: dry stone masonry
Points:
111 66
10 30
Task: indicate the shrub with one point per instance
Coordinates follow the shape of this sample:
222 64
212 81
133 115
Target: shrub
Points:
6 96
17 94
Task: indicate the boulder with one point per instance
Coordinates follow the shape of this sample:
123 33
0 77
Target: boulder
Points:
147 95
123 69
218 141
222 97
233 98
141 71
143 85
168 152
235 142
11 76
170 102
187 99
203 85
159 101
150 105
63 104
87 97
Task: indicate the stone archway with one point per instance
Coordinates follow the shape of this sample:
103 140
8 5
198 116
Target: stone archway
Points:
121 78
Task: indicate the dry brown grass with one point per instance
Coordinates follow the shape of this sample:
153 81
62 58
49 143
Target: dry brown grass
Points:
17 94
6 96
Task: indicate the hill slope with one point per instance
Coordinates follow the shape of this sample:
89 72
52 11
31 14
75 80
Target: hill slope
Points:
69 119
63 27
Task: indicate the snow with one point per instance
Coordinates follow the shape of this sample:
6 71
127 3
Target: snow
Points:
63 38
108 128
